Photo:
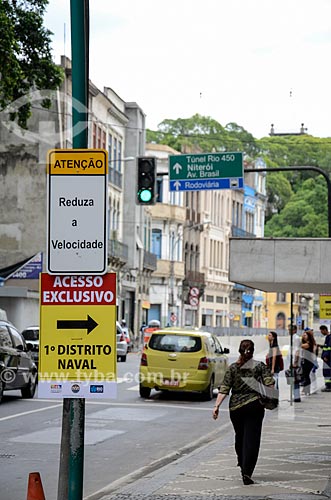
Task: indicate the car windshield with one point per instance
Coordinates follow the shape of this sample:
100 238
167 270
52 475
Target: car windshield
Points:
31 334
174 343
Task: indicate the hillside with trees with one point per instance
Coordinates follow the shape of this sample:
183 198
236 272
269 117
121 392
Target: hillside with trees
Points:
297 201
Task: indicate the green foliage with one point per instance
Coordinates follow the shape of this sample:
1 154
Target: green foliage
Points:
279 192
25 56
305 215
202 133
297 200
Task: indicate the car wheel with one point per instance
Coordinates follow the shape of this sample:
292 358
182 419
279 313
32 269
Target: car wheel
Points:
123 358
144 392
1 391
30 389
208 393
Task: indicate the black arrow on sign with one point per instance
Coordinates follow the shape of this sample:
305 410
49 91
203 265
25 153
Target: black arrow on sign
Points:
77 324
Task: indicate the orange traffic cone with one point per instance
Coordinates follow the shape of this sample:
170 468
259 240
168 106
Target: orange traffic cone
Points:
35 487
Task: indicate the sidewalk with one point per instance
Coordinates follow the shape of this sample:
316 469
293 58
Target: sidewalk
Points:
294 462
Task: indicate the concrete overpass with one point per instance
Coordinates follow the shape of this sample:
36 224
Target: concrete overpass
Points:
282 264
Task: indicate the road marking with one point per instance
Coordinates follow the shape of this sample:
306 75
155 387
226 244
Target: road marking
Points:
133 388
2 419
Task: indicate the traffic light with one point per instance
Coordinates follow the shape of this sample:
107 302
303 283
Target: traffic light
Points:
146 180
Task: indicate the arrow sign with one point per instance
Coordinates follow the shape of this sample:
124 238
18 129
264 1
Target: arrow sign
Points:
177 185
177 167
77 324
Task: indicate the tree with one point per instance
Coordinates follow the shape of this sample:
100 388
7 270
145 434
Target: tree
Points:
279 193
291 209
305 215
25 56
202 133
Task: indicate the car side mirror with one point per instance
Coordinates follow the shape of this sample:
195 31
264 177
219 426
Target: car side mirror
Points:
226 350
20 347
29 347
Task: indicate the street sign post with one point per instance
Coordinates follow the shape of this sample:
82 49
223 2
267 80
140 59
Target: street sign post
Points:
206 171
77 352
77 211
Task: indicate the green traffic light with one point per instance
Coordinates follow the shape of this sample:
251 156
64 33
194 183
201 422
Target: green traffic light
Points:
145 195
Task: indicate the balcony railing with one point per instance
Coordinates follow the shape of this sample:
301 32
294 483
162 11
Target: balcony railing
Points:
238 232
150 260
194 278
117 252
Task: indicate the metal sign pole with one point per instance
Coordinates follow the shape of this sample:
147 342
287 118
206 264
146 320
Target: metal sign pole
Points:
73 423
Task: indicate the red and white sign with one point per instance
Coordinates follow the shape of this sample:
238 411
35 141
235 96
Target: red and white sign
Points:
194 301
78 290
194 291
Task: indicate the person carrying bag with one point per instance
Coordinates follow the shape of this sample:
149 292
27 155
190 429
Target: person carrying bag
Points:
242 379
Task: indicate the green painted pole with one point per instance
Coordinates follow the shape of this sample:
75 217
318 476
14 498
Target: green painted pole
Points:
79 12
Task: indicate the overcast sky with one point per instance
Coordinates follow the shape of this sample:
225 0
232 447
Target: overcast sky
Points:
253 62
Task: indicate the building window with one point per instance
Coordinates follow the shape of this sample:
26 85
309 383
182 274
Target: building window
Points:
119 165
157 242
281 297
94 136
209 298
115 151
110 148
159 184
281 321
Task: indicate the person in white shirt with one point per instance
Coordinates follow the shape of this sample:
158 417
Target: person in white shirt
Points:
296 345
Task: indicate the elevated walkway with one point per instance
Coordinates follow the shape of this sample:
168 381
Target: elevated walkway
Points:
281 264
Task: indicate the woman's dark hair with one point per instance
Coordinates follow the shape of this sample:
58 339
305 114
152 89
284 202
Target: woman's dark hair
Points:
274 342
246 351
311 340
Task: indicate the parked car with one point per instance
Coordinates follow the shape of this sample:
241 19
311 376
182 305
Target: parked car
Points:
176 359
17 369
121 343
31 336
125 330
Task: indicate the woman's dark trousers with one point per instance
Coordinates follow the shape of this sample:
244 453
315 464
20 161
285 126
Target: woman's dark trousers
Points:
247 423
307 367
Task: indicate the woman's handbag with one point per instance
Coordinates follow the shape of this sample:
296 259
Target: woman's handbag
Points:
297 375
268 396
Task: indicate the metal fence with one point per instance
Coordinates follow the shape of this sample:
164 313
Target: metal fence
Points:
240 332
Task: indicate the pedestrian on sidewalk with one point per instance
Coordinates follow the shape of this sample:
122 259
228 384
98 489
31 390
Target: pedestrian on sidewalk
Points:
308 358
246 411
295 362
274 358
326 357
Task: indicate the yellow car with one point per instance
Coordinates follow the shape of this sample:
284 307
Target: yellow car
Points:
177 359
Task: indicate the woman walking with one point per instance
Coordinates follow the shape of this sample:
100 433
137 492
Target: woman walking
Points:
246 411
273 357
308 358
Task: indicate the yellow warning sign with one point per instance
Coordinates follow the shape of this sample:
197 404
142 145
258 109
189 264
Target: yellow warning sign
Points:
325 306
81 345
77 161
77 346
